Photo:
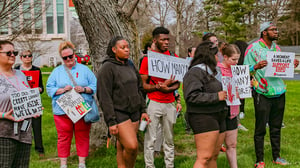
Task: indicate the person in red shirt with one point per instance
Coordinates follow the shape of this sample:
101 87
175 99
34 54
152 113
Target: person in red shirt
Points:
161 109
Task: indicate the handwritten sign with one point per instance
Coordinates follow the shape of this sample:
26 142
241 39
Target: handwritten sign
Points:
280 64
163 66
26 103
73 104
32 78
229 86
241 77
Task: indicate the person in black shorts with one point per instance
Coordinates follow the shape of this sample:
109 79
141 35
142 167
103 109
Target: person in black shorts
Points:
205 103
120 97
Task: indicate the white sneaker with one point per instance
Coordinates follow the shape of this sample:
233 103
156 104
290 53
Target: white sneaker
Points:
81 165
241 127
242 115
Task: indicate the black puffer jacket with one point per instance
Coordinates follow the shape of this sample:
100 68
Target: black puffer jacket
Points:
201 92
119 88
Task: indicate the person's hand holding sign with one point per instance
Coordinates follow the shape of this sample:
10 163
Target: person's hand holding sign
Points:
296 63
79 89
260 65
9 116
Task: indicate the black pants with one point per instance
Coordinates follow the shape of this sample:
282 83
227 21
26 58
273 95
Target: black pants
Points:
269 110
37 133
242 106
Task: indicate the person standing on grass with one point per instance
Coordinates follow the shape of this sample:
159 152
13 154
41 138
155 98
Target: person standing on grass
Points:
63 79
15 140
206 106
268 95
161 107
26 58
242 45
121 99
231 54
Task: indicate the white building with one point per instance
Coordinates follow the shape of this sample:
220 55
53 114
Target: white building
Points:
46 32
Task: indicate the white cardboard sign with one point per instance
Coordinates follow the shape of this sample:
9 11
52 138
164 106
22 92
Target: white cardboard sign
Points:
163 66
26 103
241 77
280 64
229 86
73 104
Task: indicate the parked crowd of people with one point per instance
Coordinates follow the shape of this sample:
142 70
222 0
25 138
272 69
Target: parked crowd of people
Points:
128 95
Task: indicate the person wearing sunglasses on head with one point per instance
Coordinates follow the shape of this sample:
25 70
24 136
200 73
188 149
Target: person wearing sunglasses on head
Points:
34 78
64 78
15 140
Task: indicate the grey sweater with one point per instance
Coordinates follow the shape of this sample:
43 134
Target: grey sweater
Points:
119 89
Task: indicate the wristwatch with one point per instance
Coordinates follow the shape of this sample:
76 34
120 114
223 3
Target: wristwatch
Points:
84 90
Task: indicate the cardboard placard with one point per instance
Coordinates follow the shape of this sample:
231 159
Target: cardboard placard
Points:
280 64
229 86
241 77
73 104
163 66
26 103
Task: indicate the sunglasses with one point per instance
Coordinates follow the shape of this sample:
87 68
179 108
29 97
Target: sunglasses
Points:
69 56
24 56
9 53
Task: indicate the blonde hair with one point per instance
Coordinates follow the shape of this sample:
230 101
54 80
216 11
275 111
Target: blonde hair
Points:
26 51
65 45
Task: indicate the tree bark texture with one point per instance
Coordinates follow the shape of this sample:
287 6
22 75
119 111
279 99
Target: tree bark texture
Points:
102 20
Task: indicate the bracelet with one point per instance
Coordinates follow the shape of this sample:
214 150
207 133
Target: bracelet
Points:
84 90
3 114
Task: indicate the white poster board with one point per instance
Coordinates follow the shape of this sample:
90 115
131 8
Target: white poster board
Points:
280 64
73 104
241 77
229 86
163 66
26 103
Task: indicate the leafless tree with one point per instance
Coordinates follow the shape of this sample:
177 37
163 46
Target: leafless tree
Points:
109 18
16 17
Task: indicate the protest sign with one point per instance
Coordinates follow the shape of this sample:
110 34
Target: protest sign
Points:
73 104
32 78
280 64
241 77
163 66
229 86
26 103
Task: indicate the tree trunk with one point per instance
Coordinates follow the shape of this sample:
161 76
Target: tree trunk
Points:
102 20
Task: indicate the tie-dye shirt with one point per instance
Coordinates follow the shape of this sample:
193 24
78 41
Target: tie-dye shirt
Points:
267 86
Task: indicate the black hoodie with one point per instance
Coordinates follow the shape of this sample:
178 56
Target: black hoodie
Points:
119 87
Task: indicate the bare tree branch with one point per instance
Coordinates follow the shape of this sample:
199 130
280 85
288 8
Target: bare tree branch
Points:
129 14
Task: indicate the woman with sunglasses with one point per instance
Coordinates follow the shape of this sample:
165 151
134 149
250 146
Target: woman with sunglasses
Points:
71 75
120 97
26 58
206 106
15 142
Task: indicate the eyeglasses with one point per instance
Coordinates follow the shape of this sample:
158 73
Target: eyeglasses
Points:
274 29
24 56
9 53
69 56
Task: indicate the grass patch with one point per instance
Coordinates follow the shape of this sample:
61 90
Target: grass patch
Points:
185 151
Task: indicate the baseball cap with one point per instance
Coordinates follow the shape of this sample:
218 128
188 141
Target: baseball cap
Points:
265 25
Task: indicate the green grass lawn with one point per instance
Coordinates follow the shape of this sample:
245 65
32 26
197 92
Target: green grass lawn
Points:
185 153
